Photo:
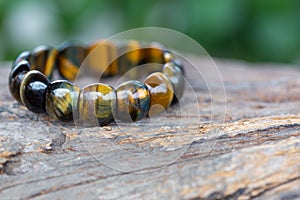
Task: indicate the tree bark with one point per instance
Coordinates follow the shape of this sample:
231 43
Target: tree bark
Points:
250 150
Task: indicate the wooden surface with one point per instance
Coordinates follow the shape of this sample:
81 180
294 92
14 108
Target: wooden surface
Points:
250 151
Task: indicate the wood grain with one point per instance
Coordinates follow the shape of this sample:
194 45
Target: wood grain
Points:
250 151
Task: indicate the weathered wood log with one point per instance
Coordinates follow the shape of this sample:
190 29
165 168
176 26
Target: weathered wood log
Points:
255 152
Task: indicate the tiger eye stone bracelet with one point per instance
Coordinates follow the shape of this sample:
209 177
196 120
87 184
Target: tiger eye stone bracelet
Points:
29 82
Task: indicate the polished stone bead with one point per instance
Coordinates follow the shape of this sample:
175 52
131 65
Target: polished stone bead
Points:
129 60
133 99
15 85
25 55
175 75
20 67
161 90
96 104
61 96
133 53
152 59
43 59
15 77
169 57
103 58
33 89
137 55
153 54
69 59
130 56
179 65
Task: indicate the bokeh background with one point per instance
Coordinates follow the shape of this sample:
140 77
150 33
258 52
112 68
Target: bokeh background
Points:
252 30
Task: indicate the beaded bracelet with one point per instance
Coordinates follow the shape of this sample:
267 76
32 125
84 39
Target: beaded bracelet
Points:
29 82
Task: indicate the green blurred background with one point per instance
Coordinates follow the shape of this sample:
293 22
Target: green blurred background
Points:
253 30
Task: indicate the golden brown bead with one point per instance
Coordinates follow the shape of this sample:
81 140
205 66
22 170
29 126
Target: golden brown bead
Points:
69 59
102 58
61 97
96 104
161 90
133 54
130 57
43 59
153 55
133 99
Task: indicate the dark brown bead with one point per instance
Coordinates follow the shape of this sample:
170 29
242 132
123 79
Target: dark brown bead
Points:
43 59
25 55
20 67
15 77
33 89
15 85
153 54
69 59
